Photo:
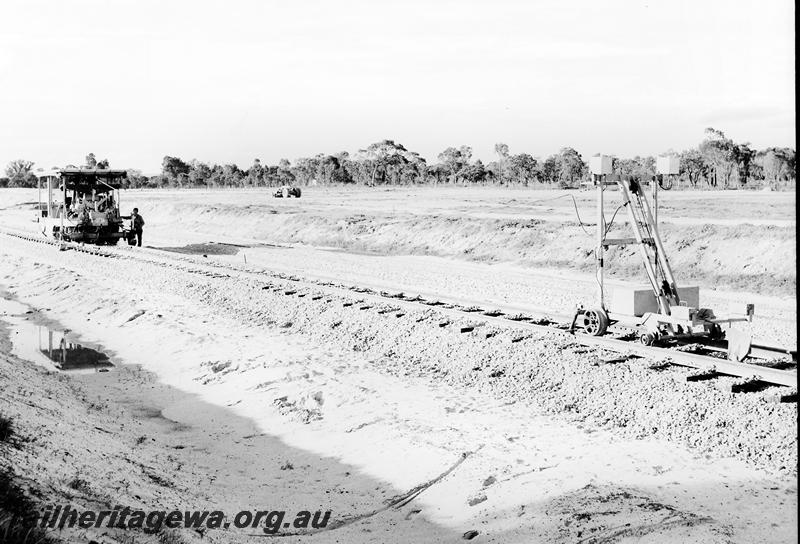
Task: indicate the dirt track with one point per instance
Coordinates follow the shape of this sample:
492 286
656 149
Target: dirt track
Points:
397 401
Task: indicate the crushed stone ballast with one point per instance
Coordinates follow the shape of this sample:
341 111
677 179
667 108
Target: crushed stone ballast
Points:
468 318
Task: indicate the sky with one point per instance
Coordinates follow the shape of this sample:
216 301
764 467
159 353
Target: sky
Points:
234 80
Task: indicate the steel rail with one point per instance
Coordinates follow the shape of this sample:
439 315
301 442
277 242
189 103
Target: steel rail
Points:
476 317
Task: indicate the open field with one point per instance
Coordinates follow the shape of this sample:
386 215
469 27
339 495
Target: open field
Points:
405 430
742 240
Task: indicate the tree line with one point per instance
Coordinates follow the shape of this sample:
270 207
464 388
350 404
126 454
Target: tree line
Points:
716 162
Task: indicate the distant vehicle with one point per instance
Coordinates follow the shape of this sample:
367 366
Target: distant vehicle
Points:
287 191
82 205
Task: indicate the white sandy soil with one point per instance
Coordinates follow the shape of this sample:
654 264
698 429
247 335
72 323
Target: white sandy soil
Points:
339 392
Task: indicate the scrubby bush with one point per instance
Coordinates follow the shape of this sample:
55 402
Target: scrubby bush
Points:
6 428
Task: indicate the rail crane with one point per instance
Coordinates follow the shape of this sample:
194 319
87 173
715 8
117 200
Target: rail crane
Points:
661 312
82 205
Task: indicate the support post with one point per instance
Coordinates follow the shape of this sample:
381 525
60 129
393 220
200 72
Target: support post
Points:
655 200
63 208
598 180
50 198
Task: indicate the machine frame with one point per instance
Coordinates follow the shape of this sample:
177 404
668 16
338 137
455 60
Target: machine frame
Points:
81 205
674 318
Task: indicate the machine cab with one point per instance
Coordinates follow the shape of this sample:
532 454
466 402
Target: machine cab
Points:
81 205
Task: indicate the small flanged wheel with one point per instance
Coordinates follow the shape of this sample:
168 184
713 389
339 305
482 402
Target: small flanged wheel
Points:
716 332
595 322
647 338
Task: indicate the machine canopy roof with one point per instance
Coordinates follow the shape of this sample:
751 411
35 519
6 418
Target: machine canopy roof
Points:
84 180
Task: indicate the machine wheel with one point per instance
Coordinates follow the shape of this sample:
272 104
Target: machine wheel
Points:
595 322
647 338
716 332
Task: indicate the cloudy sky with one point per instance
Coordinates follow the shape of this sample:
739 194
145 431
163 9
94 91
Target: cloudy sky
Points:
229 81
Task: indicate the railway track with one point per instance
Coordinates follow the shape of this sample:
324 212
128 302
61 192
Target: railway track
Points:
753 373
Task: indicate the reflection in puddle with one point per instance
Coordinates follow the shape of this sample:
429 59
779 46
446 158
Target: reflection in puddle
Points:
48 346
68 355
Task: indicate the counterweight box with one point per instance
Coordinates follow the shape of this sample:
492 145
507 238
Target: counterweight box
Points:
639 300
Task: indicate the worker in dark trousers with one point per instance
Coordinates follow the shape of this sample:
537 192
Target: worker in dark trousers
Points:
137 225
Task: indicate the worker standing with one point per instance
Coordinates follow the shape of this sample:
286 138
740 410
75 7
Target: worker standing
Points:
137 225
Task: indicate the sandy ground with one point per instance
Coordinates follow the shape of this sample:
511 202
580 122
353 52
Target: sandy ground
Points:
742 241
231 387
361 237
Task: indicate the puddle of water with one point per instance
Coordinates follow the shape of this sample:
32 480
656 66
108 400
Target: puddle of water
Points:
219 248
70 356
47 346
212 248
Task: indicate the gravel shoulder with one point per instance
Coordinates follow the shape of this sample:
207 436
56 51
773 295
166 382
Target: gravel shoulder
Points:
533 415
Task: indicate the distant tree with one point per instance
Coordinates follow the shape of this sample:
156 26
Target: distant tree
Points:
20 174
134 179
416 168
777 164
522 169
327 167
284 175
378 157
501 150
570 165
720 153
217 176
359 170
233 175
455 160
175 170
772 163
638 167
500 168
19 169
256 173
647 166
304 170
474 173
550 169
716 158
494 172
199 173
743 156
693 166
